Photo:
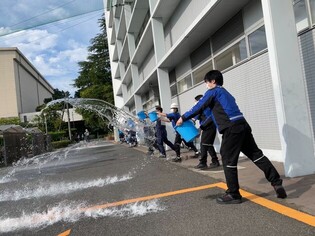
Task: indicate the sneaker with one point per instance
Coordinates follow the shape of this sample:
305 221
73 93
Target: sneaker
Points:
214 164
280 191
201 166
177 159
197 154
162 156
229 199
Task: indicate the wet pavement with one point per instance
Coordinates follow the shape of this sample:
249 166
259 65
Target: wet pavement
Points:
300 190
111 189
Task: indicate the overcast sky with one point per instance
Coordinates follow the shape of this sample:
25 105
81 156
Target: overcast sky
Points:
54 48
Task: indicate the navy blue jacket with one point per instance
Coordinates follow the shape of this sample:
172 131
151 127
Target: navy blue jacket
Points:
222 104
173 117
205 119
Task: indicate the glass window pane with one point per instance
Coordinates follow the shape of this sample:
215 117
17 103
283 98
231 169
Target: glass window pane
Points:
257 41
173 90
199 74
312 3
231 56
300 14
184 84
172 76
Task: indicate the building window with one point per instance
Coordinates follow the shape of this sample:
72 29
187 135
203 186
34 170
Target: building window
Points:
201 54
173 90
173 86
257 41
312 6
149 101
132 109
199 74
300 13
184 84
231 56
129 89
142 28
228 33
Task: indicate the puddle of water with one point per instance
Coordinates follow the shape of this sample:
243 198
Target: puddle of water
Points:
72 212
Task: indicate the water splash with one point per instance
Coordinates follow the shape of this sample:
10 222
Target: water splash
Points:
116 117
8 177
37 162
56 189
73 211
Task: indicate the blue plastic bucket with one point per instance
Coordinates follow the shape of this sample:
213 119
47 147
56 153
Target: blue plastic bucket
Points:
141 115
153 116
131 123
187 130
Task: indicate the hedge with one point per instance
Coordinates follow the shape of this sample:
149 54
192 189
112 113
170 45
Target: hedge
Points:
60 144
58 135
10 121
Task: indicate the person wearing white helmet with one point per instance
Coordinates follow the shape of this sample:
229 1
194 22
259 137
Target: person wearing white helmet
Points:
173 117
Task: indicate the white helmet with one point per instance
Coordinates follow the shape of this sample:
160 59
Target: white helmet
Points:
174 105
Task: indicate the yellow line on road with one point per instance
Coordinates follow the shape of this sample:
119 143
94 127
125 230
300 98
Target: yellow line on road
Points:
167 194
287 211
284 210
66 233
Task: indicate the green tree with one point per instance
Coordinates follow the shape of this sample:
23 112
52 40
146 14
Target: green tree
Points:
94 80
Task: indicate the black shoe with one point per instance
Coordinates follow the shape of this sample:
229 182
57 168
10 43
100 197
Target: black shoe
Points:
280 191
197 154
214 165
201 166
229 199
177 159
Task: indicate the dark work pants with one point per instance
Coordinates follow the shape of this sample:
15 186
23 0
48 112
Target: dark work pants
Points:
179 140
161 139
151 144
238 138
206 145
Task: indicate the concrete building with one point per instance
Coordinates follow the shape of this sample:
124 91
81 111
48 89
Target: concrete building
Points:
160 51
22 87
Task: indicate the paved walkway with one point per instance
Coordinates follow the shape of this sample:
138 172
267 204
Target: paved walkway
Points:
300 190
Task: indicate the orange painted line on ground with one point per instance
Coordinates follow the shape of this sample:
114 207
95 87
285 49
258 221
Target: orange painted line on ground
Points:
284 210
66 233
167 194
289 212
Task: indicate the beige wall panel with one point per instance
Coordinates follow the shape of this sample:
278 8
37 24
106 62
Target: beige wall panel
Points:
8 103
42 93
29 95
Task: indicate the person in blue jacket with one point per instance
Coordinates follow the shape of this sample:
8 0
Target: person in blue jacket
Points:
236 137
173 117
161 134
208 133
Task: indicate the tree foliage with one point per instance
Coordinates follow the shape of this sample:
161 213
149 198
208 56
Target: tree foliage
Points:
94 80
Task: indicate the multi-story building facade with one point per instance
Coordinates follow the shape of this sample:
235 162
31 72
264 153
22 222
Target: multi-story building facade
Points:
22 87
160 51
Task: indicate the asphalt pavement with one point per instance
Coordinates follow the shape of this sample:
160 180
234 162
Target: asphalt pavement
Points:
110 189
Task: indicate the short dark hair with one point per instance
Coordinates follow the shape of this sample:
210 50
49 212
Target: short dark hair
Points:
214 75
197 98
160 109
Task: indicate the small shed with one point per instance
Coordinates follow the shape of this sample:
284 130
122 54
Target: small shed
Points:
15 143
38 140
